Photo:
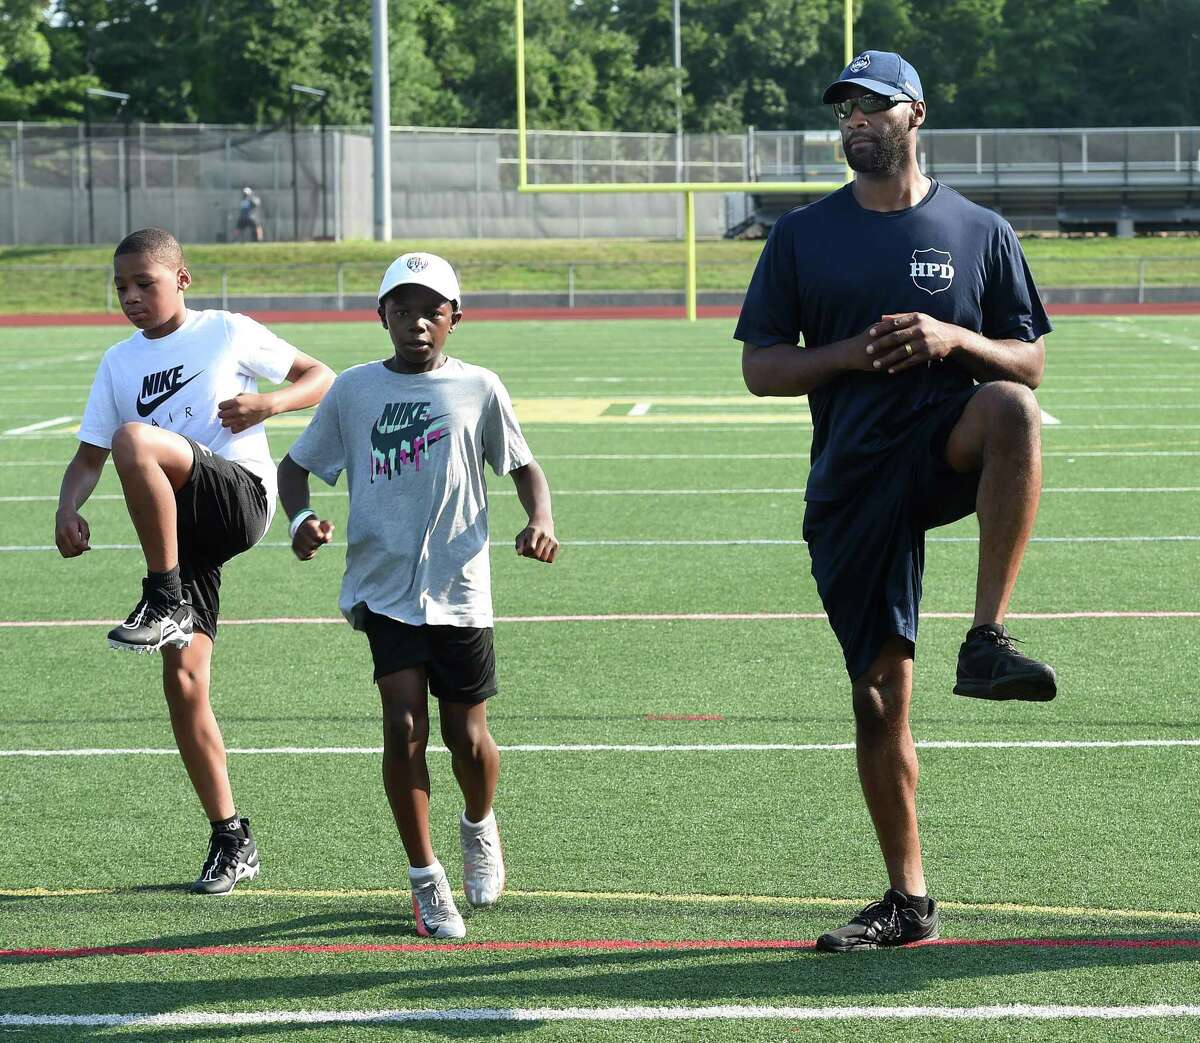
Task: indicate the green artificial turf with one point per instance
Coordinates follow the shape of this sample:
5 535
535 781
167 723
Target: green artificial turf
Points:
76 278
1021 843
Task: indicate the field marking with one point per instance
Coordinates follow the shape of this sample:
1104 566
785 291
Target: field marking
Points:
632 617
1049 420
603 747
62 462
724 1012
639 409
16 548
573 945
765 491
626 897
39 425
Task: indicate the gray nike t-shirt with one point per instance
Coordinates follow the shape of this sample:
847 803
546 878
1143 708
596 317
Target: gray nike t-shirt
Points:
413 446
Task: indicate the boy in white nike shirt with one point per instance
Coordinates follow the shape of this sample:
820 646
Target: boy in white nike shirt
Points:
413 434
177 405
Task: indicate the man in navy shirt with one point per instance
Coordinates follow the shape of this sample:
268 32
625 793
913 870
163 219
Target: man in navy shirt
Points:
921 333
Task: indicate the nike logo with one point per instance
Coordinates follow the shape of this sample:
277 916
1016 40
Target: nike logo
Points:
166 378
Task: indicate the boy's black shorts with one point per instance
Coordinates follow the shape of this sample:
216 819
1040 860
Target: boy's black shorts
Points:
459 661
221 511
868 552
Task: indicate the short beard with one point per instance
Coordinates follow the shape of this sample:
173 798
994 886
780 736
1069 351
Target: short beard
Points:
887 155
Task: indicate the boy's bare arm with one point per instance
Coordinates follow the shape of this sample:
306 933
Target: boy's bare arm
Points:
308 380
536 540
312 532
71 532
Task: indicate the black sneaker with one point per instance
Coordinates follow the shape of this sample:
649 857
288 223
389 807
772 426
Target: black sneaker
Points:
990 667
232 857
889 922
154 622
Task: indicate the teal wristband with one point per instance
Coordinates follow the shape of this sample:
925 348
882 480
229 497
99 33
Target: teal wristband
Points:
300 518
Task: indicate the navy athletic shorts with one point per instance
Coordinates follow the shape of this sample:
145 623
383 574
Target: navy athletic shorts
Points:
221 511
459 662
868 551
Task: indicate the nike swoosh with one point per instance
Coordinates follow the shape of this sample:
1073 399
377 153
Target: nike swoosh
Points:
146 408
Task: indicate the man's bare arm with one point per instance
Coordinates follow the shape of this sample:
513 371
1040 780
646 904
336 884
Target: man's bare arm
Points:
786 370
913 339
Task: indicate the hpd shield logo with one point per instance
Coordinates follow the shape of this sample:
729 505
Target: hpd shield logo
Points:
932 270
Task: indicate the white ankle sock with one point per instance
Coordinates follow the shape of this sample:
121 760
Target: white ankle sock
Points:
422 873
482 824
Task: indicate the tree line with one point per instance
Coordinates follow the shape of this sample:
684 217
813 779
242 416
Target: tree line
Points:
603 64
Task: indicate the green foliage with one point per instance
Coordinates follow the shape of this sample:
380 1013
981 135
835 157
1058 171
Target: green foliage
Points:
603 64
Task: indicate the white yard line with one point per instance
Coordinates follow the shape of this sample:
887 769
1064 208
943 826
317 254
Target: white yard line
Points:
727 747
62 461
639 409
725 1012
749 542
769 491
631 617
39 425
1049 420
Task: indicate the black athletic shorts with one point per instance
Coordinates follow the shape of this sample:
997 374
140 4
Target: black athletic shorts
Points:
221 511
459 661
868 551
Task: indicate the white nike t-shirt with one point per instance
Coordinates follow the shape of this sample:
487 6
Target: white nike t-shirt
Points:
176 382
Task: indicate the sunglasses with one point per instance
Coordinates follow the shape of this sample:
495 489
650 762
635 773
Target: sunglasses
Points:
867 103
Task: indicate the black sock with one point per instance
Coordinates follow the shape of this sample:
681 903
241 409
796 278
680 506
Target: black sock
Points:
166 583
232 824
919 904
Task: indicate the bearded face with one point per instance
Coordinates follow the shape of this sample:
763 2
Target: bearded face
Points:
878 149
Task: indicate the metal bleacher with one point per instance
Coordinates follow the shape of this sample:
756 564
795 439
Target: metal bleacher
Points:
1119 179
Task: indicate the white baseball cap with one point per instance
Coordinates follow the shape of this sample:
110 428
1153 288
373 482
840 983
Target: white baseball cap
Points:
423 269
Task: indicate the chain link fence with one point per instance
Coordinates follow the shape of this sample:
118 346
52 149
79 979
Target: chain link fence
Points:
58 184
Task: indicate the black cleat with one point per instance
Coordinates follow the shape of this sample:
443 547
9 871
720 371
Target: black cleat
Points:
990 667
889 922
232 857
153 623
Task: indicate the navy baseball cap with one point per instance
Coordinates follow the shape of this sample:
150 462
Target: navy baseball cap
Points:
883 72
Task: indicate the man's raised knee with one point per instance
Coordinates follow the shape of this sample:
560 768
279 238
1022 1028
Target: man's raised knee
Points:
1013 407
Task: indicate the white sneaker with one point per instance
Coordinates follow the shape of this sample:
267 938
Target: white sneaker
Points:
483 862
434 909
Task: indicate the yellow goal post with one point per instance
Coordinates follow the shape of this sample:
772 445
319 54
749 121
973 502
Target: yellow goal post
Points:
687 188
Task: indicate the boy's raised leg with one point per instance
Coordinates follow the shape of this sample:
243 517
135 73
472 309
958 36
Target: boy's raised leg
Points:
153 464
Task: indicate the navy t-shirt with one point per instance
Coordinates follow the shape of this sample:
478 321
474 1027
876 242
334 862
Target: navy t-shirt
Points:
831 270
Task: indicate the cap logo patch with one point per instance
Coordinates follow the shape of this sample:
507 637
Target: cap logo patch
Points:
417 264
931 270
860 63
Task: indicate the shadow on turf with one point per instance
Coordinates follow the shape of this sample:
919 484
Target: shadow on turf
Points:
499 979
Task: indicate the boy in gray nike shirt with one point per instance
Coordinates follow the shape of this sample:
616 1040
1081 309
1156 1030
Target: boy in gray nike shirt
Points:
413 434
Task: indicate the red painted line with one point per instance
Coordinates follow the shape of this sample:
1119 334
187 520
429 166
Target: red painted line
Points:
1148 308
704 311
578 945
684 717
